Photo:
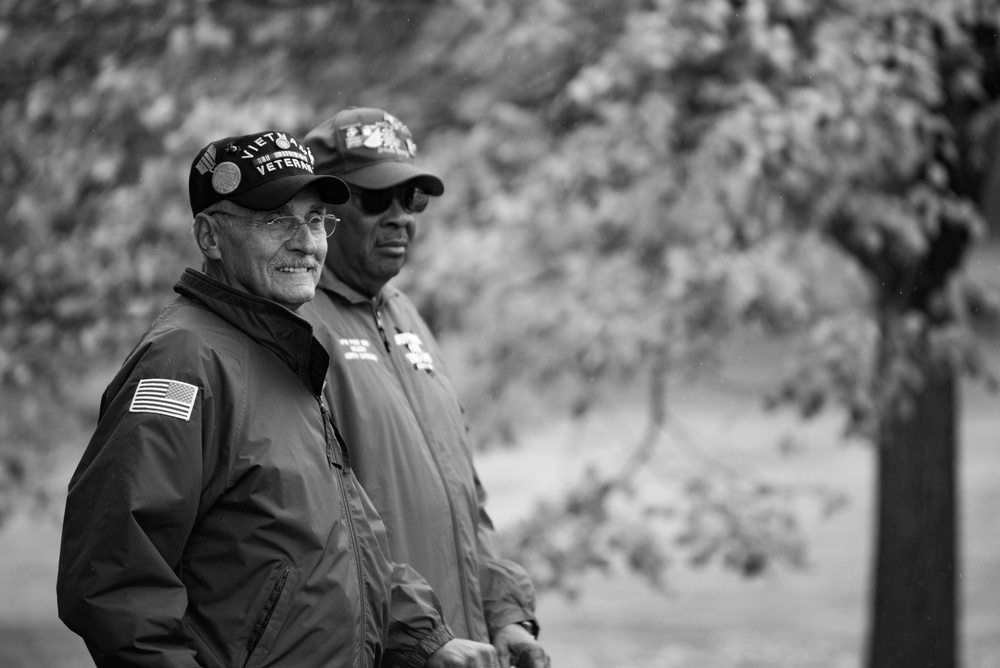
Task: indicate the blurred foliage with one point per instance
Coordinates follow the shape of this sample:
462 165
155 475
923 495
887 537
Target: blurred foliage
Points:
628 184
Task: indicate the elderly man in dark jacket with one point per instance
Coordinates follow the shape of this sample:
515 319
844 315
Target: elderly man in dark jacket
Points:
214 519
391 395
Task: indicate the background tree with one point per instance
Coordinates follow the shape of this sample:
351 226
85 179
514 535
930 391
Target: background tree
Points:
887 170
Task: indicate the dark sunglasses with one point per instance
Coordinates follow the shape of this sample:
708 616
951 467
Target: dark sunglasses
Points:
413 199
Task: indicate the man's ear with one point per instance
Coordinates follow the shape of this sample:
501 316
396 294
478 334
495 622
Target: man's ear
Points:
206 234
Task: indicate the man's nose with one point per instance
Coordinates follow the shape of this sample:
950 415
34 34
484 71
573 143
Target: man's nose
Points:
305 240
399 216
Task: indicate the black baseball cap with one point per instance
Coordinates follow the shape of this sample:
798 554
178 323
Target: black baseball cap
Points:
369 148
261 171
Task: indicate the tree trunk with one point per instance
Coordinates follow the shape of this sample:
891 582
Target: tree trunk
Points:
914 621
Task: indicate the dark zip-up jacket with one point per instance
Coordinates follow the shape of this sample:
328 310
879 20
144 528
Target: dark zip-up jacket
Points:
225 527
404 427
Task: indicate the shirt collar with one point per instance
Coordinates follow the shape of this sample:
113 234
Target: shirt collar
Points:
329 282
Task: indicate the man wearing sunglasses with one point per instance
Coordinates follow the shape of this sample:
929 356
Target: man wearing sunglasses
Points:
391 395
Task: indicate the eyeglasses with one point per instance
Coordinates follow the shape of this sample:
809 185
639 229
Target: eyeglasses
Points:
284 228
412 198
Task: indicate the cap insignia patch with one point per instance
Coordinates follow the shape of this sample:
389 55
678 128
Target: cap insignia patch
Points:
226 178
385 136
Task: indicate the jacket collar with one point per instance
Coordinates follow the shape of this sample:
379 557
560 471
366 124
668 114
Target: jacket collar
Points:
267 322
329 282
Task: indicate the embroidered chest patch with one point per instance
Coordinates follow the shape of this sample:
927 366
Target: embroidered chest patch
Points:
358 349
416 355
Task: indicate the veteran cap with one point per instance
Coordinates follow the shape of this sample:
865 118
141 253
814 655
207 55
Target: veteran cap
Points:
260 171
368 148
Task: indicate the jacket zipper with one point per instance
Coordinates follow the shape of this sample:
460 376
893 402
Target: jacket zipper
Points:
456 534
351 529
381 329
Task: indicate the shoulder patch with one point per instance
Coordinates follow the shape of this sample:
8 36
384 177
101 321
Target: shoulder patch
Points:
164 397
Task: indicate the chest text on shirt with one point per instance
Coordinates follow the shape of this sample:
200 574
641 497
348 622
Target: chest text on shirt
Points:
358 349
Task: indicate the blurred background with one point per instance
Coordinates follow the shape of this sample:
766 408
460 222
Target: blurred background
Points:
717 279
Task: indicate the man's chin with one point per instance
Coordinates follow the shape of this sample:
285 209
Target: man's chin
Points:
296 298
389 266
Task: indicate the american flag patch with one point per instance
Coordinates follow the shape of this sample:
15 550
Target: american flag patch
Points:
166 397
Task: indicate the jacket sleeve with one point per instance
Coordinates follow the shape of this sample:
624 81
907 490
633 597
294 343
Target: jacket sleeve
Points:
507 590
131 505
416 624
